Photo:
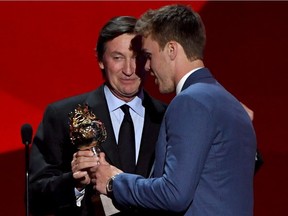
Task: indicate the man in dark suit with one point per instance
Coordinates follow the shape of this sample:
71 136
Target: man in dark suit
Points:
205 153
60 185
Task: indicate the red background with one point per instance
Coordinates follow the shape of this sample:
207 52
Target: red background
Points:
47 53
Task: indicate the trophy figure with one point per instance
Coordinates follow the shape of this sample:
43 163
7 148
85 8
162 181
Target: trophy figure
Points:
86 131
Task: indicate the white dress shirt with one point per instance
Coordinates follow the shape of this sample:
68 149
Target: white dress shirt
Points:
137 113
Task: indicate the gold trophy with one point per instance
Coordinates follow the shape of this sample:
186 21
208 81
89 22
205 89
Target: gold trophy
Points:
86 131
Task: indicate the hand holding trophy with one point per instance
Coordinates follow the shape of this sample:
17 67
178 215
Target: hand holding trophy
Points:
86 131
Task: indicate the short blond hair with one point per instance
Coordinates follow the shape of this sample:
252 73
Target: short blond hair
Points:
175 22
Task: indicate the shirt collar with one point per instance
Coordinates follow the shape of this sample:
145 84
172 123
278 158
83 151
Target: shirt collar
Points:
114 103
183 79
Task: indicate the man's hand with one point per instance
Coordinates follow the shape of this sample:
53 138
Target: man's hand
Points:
81 163
249 111
101 173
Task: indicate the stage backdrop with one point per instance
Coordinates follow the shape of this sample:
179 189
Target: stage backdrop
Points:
47 54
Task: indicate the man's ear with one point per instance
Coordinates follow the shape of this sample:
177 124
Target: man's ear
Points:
172 49
101 65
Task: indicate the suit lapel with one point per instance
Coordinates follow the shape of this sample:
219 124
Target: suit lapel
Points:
152 122
97 101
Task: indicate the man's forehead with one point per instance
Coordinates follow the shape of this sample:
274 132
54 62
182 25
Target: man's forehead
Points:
121 42
148 43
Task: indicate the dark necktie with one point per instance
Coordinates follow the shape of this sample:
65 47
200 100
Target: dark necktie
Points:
126 142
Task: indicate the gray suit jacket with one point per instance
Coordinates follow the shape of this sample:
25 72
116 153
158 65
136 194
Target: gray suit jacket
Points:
205 156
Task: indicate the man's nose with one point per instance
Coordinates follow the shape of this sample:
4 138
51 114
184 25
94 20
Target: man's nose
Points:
147 65
129 67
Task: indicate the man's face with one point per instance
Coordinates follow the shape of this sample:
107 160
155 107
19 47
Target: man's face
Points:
158 64
119 63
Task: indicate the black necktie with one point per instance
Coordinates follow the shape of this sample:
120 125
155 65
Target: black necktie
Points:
126 142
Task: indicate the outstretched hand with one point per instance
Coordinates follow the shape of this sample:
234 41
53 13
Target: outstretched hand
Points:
249 111
102 173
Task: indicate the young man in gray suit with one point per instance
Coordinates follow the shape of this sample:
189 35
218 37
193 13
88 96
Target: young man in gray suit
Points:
205 153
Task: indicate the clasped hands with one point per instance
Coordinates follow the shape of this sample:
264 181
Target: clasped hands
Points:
88 168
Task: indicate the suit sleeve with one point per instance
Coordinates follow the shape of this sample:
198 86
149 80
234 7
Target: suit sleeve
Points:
186 133
51 183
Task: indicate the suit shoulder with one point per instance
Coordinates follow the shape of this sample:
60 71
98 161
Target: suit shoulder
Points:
70 100
150 101
70 103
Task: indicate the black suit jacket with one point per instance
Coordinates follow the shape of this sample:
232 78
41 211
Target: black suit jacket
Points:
51 184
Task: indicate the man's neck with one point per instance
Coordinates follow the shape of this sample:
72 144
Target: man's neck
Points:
187 67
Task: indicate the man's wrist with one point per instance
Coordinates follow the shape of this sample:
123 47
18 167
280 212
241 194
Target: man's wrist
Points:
109 186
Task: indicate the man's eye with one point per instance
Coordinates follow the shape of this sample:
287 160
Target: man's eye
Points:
117 57
148 56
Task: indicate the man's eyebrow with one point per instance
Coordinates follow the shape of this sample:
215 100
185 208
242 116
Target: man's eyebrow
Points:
116 53
145 51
